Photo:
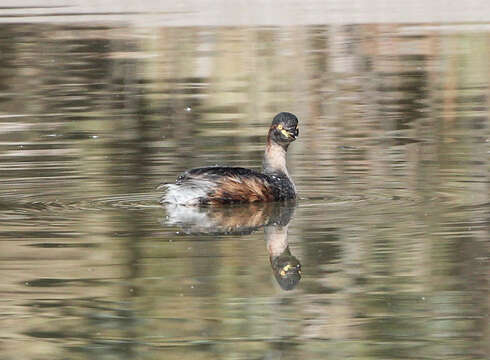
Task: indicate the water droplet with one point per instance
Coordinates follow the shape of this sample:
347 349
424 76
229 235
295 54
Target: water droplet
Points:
188 109
95 136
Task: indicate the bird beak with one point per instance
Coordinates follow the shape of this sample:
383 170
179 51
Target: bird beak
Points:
288 133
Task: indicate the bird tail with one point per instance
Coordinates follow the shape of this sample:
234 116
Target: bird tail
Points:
191 192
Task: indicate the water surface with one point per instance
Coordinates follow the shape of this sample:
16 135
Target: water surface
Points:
391 229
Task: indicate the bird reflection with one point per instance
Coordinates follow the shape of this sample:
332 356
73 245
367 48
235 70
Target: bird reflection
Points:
242 220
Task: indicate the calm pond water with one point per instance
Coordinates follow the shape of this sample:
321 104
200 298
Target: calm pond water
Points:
392 166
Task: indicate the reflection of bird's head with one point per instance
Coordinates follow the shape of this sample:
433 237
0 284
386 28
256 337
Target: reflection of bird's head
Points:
287 270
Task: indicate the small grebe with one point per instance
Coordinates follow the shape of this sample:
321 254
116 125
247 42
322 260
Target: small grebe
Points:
225 185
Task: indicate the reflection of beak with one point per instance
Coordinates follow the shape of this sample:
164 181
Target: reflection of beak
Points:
285 270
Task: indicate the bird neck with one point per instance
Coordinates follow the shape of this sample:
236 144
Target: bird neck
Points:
275 159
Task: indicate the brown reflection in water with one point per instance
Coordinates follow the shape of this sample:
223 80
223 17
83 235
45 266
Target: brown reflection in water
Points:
385 108
245 219
395 121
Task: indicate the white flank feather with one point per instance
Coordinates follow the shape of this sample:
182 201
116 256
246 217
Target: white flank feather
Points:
190 192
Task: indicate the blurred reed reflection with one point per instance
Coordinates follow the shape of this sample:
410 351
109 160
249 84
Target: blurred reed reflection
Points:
244 219
392 169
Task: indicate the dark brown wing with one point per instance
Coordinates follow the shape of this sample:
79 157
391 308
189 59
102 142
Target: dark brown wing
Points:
233 184
233 189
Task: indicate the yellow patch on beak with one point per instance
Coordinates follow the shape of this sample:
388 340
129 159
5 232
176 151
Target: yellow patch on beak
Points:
283 131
